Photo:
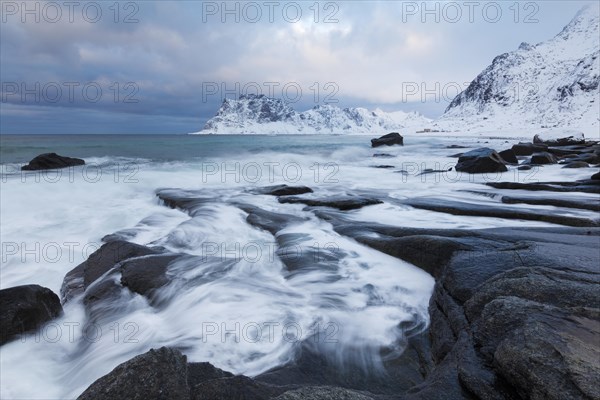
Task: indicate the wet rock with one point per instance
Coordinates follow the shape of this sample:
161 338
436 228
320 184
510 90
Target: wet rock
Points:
199 372
146 274
589 158
456 146
25 308
270 221
576 164
543 158
322 393
383 166
235 387
51 161
527 149
283 190
509 156
98 263
512 316
583 204
311 366
340 202
471 209
189 201
482 160
388 140
383 155
596 176
427 171
524 167
157 374
591 186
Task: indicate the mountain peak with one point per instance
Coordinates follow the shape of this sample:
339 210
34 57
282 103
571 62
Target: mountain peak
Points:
261 114
554 83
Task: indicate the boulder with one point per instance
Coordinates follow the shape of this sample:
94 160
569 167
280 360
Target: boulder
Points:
527 149
388 140
576 164
51 161
157 374
25 308
596 176
509 156
480 161
543 158
98 263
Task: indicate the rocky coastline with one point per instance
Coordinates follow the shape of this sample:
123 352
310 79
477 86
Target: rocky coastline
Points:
515 312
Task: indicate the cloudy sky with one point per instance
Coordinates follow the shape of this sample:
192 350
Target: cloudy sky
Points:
165 66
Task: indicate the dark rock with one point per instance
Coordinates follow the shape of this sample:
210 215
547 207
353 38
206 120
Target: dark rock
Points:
383 155
512 316
589 158
527 149
97 264
480 161
270 221
509 156
543 158
340 202
566 141
524 167
576 164
107 289
313 366
456 146
25 308
146 274
388 140
471 209
283 190
235 387
322 393
591 186
427 171
383 166
596 176
199 372
157 374
51 161
583 204
190 201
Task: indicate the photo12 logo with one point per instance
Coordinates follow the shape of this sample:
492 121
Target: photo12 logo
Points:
469 11
270 11
289 92
69 92
54 12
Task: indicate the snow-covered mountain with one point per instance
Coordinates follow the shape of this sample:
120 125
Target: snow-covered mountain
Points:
262 114
553 84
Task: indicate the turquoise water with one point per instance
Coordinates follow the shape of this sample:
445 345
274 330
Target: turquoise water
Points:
22 148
